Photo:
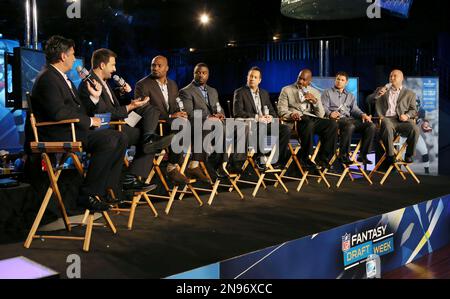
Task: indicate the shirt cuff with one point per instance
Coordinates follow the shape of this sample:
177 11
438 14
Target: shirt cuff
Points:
94 100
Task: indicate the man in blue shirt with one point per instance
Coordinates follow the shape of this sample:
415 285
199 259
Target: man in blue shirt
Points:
340 105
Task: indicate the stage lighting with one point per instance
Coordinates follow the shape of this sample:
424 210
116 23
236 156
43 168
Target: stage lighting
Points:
204 19
191 50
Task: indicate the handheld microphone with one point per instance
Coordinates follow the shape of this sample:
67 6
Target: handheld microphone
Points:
387 86
119 81
218 108
180 104
85 75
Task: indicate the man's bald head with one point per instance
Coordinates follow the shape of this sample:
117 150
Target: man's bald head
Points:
304 78
159 67
396 78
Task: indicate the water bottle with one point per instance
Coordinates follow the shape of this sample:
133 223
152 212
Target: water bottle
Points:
373 266
180 104
266 110
218 108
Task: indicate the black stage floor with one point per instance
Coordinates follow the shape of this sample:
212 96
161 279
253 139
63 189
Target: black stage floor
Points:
193 236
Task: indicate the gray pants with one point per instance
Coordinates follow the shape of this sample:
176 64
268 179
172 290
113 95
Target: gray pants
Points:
390 126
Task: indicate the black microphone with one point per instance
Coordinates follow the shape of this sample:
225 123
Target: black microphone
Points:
85 75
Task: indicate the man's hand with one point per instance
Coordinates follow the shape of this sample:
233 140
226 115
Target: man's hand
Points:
94 92
96 122
136 103
214 117
125 89
219 116
310 98
265 119
381 92
296 116
366 118
404 117
335 115
179 114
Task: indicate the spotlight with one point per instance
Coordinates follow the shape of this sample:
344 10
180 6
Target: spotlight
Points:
204 19
276 37
90 43
191 50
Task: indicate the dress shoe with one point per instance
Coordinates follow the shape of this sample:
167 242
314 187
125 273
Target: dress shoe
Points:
154 143
261 166
323 163
234 168
197 173
391 160
132 183
92 203
364 160
221 173
308 164
344 159
277 166
108 199
176 177
409 159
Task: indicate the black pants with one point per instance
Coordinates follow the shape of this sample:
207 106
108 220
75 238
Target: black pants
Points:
142 162
347 126
390 126
284 133
107 149
327 131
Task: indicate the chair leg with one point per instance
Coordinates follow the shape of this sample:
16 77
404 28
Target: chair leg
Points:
200 202
109 223
386 174
134 203
88 235
260 182
172 193
213 192
302 181
150 204
412 174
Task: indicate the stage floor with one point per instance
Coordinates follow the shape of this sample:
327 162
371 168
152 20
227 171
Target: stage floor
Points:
192 236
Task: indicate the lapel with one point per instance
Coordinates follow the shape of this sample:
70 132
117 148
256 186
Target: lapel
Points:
104 95
249 96
159 95
172 96
201 98
62 81
400 96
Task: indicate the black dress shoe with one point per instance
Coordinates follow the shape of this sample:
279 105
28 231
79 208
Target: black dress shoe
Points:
364 160
323 163
93 204
261 166
220 173
308 164
234 168
112 201
409 160
391 160
132 183
154 143
345 160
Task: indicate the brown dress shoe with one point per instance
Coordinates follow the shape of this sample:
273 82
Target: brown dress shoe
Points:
197 173
176 177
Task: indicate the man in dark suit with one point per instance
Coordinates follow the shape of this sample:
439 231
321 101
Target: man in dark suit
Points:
397 107
55 98
163 93
142 134
202 100
250 101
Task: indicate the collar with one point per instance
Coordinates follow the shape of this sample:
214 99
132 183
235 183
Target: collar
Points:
253 92
62 74
337 90
164 83
400 89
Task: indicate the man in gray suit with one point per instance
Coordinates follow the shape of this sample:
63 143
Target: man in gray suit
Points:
300 102
198 96
396 105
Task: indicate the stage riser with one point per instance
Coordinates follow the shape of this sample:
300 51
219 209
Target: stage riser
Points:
399 237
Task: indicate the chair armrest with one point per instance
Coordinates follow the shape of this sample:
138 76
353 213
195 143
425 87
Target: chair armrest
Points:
117 122
162 121
61 122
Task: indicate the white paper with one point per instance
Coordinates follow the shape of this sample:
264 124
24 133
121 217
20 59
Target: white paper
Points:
132 119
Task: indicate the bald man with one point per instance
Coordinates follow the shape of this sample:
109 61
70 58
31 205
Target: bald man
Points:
163 93
397 107
301 102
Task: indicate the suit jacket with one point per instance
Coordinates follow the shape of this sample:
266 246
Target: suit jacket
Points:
104 104
406 103
289 102
53 100
148 87
244 105
193 99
